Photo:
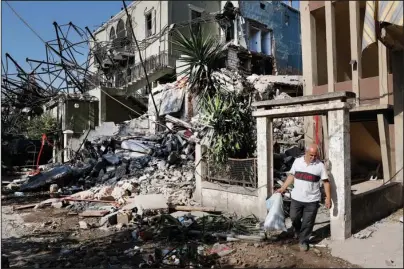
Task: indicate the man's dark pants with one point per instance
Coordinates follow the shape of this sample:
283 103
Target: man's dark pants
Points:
303 216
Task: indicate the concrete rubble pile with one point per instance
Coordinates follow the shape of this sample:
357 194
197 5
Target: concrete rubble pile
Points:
115 162
288 132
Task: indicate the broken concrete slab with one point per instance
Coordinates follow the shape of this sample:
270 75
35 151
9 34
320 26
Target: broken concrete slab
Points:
195 214
148 202
83 225
110 219
124 217
94 213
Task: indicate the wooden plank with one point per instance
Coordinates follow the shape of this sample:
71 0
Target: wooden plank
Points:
332 96
300 111
331 45
356 42
178 122
24 206
384 145
196 208
94 213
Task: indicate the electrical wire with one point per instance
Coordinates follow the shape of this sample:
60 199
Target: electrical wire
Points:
15 12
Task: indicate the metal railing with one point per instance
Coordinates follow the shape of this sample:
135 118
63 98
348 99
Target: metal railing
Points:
236 172
153 63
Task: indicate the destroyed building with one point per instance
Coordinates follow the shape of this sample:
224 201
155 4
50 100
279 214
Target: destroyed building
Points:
267 38
256 45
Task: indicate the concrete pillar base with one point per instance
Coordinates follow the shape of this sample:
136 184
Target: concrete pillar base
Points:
340 173
264 163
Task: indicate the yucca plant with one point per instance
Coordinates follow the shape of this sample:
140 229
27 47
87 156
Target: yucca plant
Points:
201 54
228 114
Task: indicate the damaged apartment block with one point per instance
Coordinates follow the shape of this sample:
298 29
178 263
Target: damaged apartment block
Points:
266 41
262 38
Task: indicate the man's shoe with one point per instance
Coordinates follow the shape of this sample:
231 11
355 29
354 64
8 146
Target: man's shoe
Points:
304 247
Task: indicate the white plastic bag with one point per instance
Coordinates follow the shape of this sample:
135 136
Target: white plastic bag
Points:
275 220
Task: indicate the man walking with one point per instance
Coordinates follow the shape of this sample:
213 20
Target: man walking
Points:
306 174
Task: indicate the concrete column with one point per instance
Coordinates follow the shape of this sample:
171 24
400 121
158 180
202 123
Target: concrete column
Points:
103 107
67 135
309 60
383 73
356 50
200 171
236 31
340 173
398 90
331 45
55 156
264 163
384 136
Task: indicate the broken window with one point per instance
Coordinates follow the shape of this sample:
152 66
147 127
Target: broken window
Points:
120 29
266 42
150 22
262 5
254 38
112 35
196 26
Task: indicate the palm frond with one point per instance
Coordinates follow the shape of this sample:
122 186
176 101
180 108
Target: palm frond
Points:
201 54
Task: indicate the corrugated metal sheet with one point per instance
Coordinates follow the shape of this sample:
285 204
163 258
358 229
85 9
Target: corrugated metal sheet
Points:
369 25
391 12
380 11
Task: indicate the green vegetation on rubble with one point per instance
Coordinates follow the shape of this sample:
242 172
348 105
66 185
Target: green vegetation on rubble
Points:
227 112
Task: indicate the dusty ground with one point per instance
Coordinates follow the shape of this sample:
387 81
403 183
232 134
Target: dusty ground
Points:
50 238
382 249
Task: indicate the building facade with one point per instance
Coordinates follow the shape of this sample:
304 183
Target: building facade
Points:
264 38
334 59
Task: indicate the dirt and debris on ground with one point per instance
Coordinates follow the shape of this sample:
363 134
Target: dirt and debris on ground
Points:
52 237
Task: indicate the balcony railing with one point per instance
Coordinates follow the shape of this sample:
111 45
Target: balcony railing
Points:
153 64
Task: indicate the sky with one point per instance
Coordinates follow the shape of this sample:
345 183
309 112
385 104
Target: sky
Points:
20 42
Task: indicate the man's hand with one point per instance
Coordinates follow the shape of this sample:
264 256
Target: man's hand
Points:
281 190
328 202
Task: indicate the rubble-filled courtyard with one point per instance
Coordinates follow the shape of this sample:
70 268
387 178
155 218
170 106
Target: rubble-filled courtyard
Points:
56 238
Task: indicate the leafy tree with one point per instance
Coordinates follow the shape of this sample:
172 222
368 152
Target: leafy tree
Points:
44 124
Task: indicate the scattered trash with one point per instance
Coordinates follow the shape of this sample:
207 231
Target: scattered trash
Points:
221 250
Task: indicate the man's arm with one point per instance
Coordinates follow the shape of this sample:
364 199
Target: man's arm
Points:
289 180
327 190
327 187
